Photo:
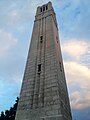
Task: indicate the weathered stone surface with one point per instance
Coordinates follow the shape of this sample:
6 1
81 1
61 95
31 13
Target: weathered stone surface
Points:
44 93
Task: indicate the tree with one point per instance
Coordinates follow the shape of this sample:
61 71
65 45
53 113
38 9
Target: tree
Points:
2 117
10 114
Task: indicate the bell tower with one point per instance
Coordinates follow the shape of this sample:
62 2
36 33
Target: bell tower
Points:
44 94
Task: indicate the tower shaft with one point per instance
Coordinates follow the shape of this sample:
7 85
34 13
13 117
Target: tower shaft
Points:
44 93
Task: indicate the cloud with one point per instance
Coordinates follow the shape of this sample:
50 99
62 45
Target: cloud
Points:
19 12
17 79
74 20
80 100
8 94
78 72
75 48
7 40
78 78
14 13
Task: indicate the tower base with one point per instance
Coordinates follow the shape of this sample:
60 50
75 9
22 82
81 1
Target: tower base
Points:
39 114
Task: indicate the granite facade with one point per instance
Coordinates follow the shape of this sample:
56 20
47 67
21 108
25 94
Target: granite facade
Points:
44 94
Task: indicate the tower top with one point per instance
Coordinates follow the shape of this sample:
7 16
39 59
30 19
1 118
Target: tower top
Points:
44 8
45 11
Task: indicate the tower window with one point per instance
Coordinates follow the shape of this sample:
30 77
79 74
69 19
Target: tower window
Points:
39 68
41 39
40 9
57 39
60 66
44 8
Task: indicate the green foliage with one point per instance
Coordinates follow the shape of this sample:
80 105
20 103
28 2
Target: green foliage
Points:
10 114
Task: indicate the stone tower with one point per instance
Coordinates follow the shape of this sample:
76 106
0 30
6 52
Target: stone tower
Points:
44 94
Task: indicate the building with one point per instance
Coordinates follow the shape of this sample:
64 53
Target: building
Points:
44 94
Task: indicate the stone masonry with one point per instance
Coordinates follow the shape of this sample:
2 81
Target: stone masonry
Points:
44 94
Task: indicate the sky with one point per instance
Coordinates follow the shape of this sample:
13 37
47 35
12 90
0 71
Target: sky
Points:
16 24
